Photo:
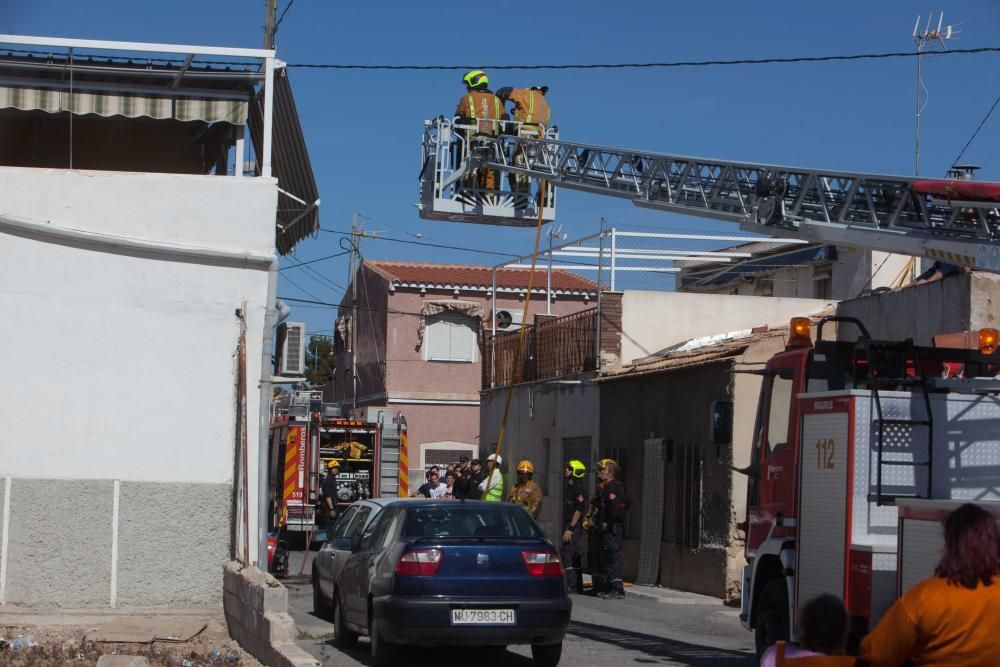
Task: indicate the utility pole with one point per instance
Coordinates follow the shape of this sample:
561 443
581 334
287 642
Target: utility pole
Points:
270 10
928 37
355 267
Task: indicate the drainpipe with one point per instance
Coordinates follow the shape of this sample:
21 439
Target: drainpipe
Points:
276 312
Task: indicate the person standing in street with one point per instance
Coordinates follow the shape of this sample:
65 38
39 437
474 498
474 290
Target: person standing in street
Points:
463 479
491 487
574 507
611 519
526 492
328 495
476 478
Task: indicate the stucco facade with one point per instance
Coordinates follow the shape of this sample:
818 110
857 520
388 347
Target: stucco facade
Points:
119 440
438 399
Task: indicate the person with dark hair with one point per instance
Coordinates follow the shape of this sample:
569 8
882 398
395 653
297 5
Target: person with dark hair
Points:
611 519
476 476
822 630
463 477
952 618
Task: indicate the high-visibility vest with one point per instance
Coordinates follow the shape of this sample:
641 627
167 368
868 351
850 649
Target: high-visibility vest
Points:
531 107
480 105
494 494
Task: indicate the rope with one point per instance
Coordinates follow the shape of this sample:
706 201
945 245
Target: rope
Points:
542 194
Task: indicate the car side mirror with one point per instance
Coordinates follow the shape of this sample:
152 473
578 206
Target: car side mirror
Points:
722 422
343 544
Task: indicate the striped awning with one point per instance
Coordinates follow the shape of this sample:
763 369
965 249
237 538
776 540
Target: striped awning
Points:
127 104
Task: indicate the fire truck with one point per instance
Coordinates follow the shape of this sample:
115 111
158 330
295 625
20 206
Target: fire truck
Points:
860 446
306 435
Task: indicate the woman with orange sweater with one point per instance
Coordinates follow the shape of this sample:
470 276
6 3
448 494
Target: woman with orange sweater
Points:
952 618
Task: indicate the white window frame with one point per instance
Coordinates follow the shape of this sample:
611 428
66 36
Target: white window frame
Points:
454 318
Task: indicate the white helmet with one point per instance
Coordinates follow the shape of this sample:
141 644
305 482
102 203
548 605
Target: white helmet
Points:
495 457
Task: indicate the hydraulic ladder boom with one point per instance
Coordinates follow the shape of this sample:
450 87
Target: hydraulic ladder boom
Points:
953 220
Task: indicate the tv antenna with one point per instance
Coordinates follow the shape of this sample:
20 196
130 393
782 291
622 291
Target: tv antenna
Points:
927 39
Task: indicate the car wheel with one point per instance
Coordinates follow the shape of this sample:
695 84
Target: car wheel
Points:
384 654
546 655
321 607
343 636
772 619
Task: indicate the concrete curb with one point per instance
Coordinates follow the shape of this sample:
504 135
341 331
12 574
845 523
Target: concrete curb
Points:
256 606
670 596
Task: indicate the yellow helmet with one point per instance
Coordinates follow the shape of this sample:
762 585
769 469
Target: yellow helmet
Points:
603 463
333 464
476 78
526 466
578 469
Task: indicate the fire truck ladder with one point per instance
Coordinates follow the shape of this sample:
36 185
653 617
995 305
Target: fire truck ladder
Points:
887 364
952 220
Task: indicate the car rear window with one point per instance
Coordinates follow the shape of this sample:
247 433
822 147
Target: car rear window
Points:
460 520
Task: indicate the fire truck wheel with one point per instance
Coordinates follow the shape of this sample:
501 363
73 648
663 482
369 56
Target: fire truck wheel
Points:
343 636
772 619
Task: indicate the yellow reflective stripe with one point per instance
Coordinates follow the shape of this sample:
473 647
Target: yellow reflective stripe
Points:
496 112
531 105
472 107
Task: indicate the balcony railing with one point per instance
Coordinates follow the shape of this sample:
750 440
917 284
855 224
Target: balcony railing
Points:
550 349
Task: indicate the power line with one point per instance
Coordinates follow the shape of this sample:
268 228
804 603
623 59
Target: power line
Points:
655 65
281 18
303 289
424 243
976 133
312 261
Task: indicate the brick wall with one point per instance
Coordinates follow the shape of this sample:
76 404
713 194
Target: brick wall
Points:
611 328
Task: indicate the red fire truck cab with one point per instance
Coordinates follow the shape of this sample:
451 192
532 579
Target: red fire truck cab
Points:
846 434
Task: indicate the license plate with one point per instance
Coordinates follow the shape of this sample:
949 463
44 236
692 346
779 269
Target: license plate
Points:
483 617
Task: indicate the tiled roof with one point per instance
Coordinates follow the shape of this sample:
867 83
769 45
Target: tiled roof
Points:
461 275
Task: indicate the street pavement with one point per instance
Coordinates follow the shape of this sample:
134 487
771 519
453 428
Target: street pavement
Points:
652 626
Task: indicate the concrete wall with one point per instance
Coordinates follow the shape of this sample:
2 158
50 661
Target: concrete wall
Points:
125 372
963 302
542 416
652 321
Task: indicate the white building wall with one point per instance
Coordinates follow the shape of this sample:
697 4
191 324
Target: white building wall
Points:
652 321
121 381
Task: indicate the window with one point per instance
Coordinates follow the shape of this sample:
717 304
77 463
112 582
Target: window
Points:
823 283
344 522
458 521
450 337
780 407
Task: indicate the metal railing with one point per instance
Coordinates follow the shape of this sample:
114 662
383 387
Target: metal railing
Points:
546 350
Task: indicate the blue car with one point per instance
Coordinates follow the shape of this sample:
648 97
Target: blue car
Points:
451 572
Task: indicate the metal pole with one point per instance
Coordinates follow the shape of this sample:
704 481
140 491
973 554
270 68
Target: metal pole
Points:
265 167
600 289
493 328
548 286
355 270
270 9
614 246
916 147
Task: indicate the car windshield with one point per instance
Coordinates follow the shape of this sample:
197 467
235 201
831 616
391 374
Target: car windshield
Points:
460 520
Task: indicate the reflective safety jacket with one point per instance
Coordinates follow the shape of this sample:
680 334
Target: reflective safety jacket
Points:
493 488
528 495
530 107
483 107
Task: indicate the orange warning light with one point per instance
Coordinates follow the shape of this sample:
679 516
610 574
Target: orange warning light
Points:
988 340
799 332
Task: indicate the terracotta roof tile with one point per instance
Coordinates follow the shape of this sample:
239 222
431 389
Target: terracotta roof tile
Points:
463 275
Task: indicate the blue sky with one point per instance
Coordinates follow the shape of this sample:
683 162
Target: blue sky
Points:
363 128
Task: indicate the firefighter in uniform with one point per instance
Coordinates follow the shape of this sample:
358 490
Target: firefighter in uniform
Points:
481 108
328 496
526 492
531 112
595 536
491 487
574 507
611 519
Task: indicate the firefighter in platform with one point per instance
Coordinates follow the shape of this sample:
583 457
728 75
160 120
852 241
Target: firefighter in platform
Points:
611 519
574 509
526 492
491 488
328 496
484 110
532 114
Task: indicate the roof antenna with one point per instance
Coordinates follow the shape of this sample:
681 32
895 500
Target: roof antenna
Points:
928 38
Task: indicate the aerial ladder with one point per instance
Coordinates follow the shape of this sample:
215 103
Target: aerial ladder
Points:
956 220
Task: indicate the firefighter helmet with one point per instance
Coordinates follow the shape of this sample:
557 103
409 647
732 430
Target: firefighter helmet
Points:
333 464
603 463
526 466
476 78
495 457
578 469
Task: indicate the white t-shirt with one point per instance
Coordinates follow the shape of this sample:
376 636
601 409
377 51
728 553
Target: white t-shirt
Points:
439 491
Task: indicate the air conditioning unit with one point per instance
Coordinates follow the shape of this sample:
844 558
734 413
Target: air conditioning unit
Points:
291 348
509 320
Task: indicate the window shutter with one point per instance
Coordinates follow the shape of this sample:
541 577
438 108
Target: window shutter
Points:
450 338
